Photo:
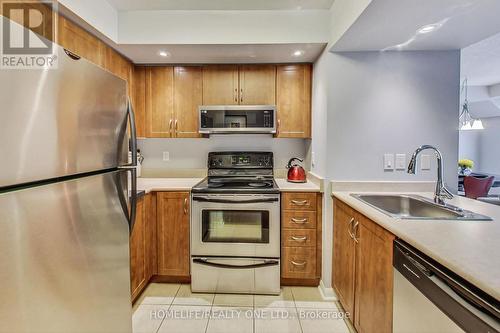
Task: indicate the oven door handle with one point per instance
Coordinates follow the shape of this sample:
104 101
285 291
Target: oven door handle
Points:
206 262
251 201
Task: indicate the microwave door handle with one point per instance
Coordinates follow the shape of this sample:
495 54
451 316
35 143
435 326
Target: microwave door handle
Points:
202 199
206 262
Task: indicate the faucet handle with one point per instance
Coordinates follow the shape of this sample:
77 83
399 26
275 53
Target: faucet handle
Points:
446 193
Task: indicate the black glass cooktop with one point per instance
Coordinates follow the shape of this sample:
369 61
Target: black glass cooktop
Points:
246 185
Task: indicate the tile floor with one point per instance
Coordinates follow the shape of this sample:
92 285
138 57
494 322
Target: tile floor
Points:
165 308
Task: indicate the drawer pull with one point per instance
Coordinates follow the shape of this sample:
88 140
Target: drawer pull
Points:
298 263
300 202
299 221
299 239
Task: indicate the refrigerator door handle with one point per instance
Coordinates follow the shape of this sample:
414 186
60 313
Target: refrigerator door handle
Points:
129 206
132 212
133 133
133 199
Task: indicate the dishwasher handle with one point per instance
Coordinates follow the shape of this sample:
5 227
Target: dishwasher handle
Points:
466 308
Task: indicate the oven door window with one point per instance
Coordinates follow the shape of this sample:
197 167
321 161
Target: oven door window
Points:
235 226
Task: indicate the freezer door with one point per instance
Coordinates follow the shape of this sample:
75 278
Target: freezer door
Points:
64 257
63 121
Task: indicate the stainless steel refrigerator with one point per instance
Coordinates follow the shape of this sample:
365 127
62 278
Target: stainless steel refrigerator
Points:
66 207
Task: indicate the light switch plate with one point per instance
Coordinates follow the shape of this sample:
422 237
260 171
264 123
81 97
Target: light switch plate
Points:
425 162
400 161
166 156
388 162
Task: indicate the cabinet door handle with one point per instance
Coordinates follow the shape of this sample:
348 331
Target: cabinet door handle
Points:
300 203
299 239
185 206
278 127
355 231
299 221
298 263
241 95
236 95
350 228
170 126
175 126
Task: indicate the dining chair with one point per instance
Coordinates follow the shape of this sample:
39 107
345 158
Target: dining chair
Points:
477 187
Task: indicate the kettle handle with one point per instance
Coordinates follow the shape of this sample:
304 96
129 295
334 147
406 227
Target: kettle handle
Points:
289 165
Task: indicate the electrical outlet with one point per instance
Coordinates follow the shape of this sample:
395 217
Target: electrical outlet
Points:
388 162
400 161
166 156
425 162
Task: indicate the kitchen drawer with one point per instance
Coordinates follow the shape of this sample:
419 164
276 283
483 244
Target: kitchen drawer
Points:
299 237
298 262
294 219
298 201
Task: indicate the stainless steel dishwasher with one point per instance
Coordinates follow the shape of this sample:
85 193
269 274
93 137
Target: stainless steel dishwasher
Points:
429 298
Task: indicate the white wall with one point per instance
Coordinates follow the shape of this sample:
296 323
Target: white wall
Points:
224 27
320 90
468 147
382 102
98 13
343 14
192 153
391 102
489 147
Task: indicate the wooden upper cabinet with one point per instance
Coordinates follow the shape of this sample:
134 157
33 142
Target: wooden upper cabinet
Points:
220 85
173 233
117 64
77 40
293 100
257 85
138 98
187 99
343 256
374 278
159 102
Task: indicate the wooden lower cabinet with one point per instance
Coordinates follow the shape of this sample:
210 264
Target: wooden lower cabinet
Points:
138 274
301 238
343 256
143 245
173 213
362 269
374 278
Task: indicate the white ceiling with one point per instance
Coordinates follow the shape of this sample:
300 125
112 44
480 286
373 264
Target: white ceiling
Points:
393 25
128 5
481 62
229 53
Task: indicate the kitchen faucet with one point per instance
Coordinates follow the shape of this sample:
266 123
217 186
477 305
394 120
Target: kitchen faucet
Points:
441 191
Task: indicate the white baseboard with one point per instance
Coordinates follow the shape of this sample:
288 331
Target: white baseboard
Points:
327 293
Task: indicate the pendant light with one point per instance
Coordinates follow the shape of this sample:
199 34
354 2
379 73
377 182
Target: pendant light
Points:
468 123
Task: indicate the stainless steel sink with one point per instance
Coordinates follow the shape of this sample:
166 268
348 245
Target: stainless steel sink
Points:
415 207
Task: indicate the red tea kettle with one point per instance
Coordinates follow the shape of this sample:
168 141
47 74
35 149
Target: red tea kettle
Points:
296 173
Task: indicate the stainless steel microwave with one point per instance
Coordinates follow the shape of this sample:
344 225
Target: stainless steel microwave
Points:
233 119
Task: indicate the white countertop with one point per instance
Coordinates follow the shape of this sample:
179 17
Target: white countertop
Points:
186 184
166 184
286 186
470 249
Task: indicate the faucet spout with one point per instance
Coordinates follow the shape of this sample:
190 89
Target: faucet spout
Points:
441 192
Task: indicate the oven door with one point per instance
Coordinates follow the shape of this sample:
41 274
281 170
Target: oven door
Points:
246 225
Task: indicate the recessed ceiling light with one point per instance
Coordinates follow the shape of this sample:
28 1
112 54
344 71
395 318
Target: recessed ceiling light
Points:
428 28
298 53
163 54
